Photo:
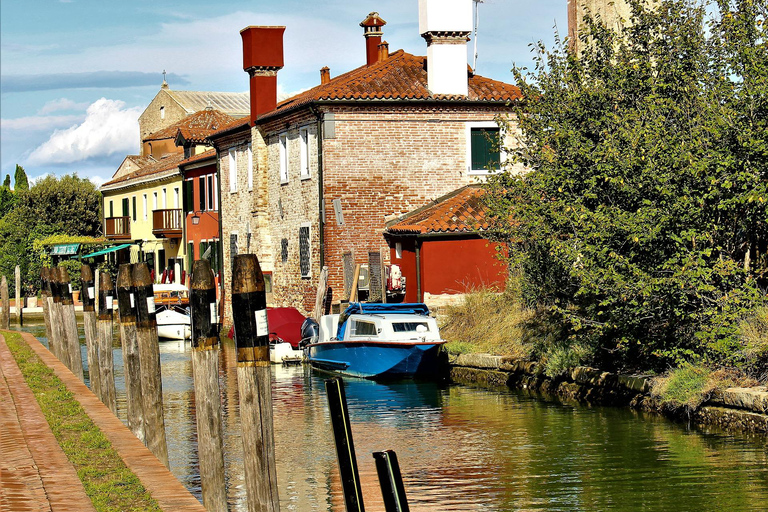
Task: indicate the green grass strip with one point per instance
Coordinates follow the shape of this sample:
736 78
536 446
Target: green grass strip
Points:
106 479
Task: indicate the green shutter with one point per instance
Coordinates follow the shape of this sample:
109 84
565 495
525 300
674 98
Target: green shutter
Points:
485 149
126 211
189 190
134 208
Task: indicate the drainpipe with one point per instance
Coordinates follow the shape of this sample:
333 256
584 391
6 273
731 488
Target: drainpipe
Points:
320 206
418 271
220 250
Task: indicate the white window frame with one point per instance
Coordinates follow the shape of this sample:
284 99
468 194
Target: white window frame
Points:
165 198
176 197
398 250
154 200
162 112
502 153
232 170
146 213
249 151
304 173
283 147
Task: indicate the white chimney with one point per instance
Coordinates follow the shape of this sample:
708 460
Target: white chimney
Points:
446 25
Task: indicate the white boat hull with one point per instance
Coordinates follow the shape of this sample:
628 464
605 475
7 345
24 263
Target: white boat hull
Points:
281 353
173 325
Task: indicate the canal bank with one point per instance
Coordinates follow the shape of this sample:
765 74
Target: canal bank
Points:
738 409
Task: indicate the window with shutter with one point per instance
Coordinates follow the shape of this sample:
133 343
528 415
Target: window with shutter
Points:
201 193
304 251
485 149
189 196
284 250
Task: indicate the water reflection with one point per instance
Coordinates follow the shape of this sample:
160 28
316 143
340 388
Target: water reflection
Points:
463 448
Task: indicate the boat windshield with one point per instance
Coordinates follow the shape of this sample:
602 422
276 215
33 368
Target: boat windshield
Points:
408 326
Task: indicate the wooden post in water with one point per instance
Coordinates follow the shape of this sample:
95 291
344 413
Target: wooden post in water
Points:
131 364
18 295
70 325
88 294
104 329
5 316
45 294
57 324
322 283
249 311
149 356
391 481
345 446
205 370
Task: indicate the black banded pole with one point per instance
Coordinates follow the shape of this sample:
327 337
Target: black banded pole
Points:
345 446
70 325
149 356
249 311
126 305
205 371
45 294
88 294
391 481
106 335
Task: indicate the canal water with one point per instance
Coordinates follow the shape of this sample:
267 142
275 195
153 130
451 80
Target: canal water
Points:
463 448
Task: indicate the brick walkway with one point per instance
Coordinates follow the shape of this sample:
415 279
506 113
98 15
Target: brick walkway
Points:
39 481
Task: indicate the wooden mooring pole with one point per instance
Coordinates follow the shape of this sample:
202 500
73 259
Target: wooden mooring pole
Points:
45 294
89 327
391 481
57 325
19 307
205 370
149 356
70 325
345 446
131 363
105 334
5 316
249 311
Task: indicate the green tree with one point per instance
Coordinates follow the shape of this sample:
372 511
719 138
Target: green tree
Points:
642 225
20 179
7 181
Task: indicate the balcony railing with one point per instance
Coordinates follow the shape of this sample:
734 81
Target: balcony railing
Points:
167 223
117 228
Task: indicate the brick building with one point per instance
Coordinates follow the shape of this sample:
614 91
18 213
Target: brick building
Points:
332 165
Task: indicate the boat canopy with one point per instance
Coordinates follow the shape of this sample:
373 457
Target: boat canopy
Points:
378 308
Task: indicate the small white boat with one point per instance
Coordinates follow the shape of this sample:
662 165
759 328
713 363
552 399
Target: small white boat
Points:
173 322
283 353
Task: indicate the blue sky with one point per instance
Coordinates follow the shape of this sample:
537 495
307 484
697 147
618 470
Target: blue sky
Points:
76 74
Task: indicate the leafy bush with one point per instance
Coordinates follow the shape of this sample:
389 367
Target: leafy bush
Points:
688 386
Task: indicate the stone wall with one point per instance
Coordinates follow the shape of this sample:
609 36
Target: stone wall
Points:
742 409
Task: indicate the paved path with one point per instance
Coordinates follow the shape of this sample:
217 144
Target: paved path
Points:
34 472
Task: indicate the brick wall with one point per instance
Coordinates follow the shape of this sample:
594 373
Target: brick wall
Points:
150 120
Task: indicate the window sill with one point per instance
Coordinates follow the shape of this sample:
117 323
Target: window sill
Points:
305 177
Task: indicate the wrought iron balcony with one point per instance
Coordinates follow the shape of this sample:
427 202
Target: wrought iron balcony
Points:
117 228
167 223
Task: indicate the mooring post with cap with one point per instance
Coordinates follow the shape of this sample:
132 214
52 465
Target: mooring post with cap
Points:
105 335
69 321
5 302
205 371
17 289
88 294
57 327
126 304
345 446
249 311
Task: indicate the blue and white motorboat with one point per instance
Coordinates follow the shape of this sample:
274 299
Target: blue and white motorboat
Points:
373 340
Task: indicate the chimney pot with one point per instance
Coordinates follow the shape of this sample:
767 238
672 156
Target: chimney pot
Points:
383 51
262 59
446 26
372 25
325 75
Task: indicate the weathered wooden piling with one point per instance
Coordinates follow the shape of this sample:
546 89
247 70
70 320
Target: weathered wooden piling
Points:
57 325
45 294
149 356
391 481
205 370
88 294
345 446
320 295
249 311
105 333
69 321
5 303
131 363
18 296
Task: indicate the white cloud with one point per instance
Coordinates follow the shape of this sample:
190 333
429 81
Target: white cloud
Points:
109 128
61 104
39 123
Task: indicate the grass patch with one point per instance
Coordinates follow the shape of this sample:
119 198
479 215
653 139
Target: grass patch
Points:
486 322
107 480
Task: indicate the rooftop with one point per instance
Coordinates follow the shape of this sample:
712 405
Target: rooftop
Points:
461 211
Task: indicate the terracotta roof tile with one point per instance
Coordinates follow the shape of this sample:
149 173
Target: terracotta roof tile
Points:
230 127
460 211
195 127
155 167
402 76
211 153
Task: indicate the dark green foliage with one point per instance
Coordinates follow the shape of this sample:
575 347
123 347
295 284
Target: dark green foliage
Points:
20 179
643 224
7 181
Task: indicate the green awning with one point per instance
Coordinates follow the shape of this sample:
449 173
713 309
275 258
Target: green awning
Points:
64 249
107 250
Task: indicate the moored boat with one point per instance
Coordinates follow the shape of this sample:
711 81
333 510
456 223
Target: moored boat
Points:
373 340
173 322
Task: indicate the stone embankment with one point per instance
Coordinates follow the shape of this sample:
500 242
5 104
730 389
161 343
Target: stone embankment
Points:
744 409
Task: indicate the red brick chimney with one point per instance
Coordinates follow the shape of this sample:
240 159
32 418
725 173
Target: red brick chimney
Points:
372 26
325 75
262 59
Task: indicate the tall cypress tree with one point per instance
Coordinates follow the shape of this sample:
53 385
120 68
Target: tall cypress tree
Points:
20 179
